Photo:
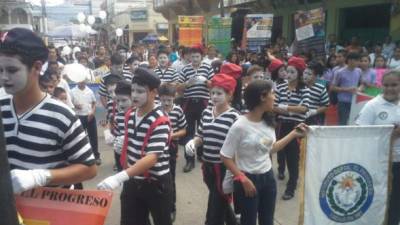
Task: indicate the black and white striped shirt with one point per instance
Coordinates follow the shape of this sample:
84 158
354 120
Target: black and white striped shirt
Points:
213 132
198 90
292 98
48 136
119 122
127 75
318 96
157 142
168 75
177 118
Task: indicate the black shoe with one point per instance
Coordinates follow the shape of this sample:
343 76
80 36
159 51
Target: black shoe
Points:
188 167
281 176
173 216
98 161
287 196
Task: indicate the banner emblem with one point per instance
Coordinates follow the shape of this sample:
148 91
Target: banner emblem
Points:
346 193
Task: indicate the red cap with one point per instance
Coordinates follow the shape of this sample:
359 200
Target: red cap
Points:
224 81
275 65
232 70
198 47
297 62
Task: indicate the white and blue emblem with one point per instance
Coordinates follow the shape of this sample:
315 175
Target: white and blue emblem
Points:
346 193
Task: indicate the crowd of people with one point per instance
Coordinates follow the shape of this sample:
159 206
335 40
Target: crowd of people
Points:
231 113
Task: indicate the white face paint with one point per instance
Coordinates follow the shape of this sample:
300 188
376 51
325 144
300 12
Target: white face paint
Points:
259 75
139 95
111 90
13 74
218 96
308 75
124 102
291 73
282 74
196 58
167 102
116 69
163 60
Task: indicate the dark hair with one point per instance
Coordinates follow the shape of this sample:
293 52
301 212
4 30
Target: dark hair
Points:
116 59
58 91
162 51
252 97
167 89
327 64
216 65
365 55
131 59
196 50
185 51
317 68
111 80
379 56
230 55
353 55
123 88
253 69
342 52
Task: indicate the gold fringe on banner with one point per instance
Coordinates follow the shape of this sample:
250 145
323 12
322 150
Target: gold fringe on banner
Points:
302 172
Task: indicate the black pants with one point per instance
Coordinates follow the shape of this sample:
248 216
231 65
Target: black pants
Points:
117 158
173 151
289 156
394 205
219 211
193 108
262 205
91 130
141 197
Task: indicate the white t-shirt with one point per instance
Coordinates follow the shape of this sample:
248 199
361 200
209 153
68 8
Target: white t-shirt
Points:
85 98
64 84
394 64
250 144
378 111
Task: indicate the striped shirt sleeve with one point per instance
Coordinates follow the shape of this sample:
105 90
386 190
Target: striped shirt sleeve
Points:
181 120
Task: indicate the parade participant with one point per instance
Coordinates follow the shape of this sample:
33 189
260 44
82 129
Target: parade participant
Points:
112 109
164 72
345 84
235 72
246 153
133 62
45 141
277 70
211 55
117 68
318 95
167 94
193 81
394 61
384 110
46 82
291 107
380 69
214 125
368 75
146 179
84 102
183 60
60 94
123 102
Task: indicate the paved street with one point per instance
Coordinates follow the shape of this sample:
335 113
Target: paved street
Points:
191 197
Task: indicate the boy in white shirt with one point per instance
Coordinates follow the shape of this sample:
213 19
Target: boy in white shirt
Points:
84 102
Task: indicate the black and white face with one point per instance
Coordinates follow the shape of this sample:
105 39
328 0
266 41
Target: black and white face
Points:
167 102
219 96
13 74
292 73
196 58
308 76
139 95
163 60
258 75
117 69
124 102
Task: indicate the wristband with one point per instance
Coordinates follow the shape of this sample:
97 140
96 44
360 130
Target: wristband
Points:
241 177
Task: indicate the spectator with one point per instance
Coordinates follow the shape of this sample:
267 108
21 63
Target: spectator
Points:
388 47
394 61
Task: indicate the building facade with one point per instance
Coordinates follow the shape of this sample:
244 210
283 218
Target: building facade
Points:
15 13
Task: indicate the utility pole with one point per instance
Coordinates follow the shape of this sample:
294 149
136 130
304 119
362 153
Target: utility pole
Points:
221 5
8 211
44 17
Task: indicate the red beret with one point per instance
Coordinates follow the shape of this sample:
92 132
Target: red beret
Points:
224 81
297 62
232 70
198 47
275 65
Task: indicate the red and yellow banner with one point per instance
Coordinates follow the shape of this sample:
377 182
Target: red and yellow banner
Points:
190 30
56 206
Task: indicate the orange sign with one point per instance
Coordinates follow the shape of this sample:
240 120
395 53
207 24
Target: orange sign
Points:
56 206
190 30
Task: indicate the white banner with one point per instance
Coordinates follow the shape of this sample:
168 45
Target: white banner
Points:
346 175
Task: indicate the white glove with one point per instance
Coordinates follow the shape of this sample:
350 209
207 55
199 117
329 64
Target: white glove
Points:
190 148
112 182
23 180
283 106
192 81
200 80
108 137
311 112
118 142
